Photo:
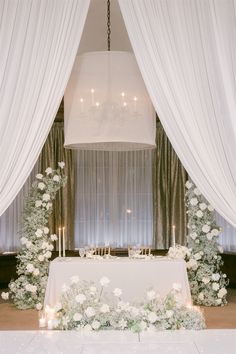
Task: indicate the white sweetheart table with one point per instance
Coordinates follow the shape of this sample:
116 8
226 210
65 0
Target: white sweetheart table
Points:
133 276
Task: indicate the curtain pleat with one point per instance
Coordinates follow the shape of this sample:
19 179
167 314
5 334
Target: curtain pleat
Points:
63 208
169 178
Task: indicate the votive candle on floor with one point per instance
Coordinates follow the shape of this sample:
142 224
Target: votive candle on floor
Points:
59 242
63 241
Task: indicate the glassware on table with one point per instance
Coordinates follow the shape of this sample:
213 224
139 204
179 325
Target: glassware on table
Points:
82 252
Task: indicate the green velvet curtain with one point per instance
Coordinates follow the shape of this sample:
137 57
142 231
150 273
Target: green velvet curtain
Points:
63 208
169 177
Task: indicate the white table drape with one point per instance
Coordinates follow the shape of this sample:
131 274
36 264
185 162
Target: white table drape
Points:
38 45
133 276
186 51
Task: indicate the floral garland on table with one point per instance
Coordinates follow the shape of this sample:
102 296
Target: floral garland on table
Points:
28 290
203 259
84 306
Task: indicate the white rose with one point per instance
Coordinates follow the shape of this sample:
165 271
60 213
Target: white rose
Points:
46 230
206 228
56 178
209 236
36 272
188 185
177 287
41 186
197 256
197 191
193 235
222 292
48 254
38 203
61 164
41 258
77 317
202 206
193 201
50 247
39 233
199 214
219 301
151 295
152 317
39 176
169 313
74 279
192 263
53 237
29 244
46 197
80 298
5 296
39 306
90 312
215 286
95 324
205 280
215 276
30 268
122 324
48 170
104 308
210 208
23 240
117 292
201 296
215 232
104 281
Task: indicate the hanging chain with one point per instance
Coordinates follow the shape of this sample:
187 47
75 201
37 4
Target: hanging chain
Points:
108 26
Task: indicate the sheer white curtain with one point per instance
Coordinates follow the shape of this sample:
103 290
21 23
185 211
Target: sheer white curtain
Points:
114 198
10 220
227 238
186 51
38 44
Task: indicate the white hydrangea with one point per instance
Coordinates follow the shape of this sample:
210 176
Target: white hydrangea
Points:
53 237
46 230
30 268
23 240
215 232
197 256
215 276
152 317
80 298
117 292
41 258
39 233
104 281
199 214
5 295
197 192
193 201
210 208
39 176
209 236
77 317
202 206
90 312
205 280
56 178
48 254
192 264
188 185
104 308
193 235
215 286
222 292
41 186
46 197
206 228
36 272
38 203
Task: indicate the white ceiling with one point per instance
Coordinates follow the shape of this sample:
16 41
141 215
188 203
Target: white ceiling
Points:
94 37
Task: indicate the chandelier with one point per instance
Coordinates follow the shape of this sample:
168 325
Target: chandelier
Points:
106 105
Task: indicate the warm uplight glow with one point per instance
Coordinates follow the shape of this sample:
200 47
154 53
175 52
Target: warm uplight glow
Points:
81 100
97 104
128 211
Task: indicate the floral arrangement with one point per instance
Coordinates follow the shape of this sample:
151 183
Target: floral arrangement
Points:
85 306
207 282
27 291
179 252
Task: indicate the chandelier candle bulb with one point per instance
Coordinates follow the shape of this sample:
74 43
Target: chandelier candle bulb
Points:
135 104
59 242
173 235
63 242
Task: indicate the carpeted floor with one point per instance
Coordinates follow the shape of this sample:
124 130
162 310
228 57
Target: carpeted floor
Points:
216 317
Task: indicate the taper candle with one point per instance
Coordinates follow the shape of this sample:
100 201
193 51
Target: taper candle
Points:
173 235
63 242
59 242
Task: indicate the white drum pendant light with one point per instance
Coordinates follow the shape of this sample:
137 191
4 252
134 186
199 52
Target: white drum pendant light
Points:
106 105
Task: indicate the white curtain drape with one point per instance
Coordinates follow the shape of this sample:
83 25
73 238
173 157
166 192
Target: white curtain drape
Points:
38 45
186 51
11 219
227 238
114 198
